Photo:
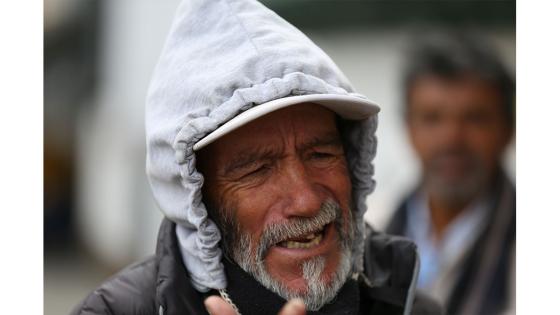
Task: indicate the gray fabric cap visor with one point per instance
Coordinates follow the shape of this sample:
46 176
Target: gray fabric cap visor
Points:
346 106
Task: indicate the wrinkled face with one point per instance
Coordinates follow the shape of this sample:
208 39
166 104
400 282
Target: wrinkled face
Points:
282 190
459 130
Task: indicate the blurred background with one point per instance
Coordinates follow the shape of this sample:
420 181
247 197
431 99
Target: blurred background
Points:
99 214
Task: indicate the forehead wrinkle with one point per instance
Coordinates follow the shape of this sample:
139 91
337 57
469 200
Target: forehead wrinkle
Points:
302 141
249 156
329 139
260 153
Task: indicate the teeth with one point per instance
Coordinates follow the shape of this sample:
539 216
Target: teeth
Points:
314 241
310 236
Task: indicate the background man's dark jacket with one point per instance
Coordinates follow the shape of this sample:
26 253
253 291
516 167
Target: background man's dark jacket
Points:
483 284
160 285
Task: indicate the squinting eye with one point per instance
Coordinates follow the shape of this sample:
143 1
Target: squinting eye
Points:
322 155
261 170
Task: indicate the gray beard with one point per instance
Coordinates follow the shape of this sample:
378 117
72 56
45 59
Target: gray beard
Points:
249 255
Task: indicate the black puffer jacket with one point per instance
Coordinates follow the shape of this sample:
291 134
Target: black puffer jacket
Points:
160 285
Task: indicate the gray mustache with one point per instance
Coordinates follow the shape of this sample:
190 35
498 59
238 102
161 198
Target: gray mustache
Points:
278 232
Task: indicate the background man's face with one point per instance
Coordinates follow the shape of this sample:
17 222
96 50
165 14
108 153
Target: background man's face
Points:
281 182
459 130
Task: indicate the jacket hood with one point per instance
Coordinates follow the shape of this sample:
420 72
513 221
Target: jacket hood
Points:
221 58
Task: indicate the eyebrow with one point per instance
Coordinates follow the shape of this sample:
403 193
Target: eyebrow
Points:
247 158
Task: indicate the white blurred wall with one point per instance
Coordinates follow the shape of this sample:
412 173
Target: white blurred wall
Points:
117 215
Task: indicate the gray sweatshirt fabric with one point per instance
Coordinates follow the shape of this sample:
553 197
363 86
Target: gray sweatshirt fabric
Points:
221 58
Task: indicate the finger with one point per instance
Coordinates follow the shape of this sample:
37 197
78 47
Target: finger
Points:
215 305
293 307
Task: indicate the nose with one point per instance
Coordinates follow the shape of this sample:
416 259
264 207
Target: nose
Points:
302 195
452 133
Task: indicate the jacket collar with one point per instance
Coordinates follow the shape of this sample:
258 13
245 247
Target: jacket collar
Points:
391 269
174 292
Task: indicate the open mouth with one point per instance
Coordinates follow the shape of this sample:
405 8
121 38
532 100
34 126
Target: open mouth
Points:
309 240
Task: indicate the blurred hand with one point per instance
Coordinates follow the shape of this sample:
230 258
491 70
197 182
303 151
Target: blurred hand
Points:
217 306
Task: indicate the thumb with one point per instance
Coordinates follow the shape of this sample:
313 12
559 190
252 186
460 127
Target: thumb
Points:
293 307
215 305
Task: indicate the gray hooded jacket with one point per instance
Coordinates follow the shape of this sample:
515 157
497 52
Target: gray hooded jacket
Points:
221 58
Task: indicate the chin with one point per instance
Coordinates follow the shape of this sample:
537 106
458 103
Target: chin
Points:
309 272
316 282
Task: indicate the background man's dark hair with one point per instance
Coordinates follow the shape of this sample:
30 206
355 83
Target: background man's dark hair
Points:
453 56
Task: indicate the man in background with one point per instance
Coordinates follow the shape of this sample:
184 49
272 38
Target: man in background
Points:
459 109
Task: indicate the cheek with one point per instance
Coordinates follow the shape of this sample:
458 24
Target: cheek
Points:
488 143
251 206
337 181
489 151
422 141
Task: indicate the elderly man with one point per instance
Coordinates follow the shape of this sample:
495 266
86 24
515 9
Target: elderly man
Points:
460 119
259 155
